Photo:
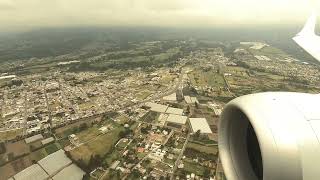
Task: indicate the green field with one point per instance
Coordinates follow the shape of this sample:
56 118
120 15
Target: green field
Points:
101 145
8 135
210 78
193 168
88 134
143 94
51 148
205 149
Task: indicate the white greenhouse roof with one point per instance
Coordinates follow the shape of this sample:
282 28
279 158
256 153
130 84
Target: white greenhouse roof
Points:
157 107
71 172
176 111
54 162
34 172
33 138
200 124
177 119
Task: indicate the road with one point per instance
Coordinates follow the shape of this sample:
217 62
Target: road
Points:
179 157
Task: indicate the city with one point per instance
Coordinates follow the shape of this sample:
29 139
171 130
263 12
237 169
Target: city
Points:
156 119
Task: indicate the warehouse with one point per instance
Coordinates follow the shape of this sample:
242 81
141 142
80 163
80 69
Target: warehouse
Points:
47 141
33 138
171 97
34 172
71 172
175 111
200 124
157 107
181 120
55 162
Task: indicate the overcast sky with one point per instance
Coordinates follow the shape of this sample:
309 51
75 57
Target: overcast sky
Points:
19 14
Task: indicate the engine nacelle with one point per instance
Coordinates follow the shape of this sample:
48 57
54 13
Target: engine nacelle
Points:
271 136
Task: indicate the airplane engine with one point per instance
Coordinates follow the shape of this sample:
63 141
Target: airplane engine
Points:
271 136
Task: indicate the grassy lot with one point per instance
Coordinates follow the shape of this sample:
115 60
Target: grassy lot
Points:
10 134
205 149
51 148
122 119
14 167
210 78
39 154
143 94
65 131
100 145
193 168
88 134
112 157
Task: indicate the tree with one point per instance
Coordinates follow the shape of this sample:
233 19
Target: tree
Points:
94 162
83 126
206 173
2 148
196 105
86 177
188 110
136 173
197 134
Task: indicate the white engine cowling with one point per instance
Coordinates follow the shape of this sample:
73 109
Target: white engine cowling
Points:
271 136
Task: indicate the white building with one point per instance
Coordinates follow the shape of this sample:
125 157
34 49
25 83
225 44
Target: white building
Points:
33 138
34 172
177 119
55 162
171 97
157 107
200 124
176 111
71 172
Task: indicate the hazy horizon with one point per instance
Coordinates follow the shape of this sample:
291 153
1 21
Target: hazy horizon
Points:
19 15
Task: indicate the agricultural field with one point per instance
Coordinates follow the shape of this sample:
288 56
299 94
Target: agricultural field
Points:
268 51
14 167
8 135
100 145
206 149
142 95
210 78
191 167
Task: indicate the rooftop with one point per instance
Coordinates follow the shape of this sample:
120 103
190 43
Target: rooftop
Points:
177 119
176 111
33 138
54 162
71 172
200 124
34 172
171 97
157 107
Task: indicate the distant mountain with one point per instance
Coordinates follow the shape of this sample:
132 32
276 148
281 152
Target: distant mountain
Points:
60 41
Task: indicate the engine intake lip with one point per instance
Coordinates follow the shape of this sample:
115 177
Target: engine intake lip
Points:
233 145
274 122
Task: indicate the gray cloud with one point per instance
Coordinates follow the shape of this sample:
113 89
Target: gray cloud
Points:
42 13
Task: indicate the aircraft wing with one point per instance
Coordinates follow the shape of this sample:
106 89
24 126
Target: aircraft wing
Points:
307 39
